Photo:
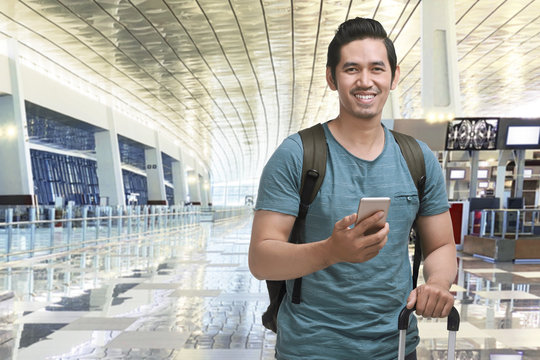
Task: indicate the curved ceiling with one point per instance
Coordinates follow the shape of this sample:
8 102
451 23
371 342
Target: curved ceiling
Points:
231 79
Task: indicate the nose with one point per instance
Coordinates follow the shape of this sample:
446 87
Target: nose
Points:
364 80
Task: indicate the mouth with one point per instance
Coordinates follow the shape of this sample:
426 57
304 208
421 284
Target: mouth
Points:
365 98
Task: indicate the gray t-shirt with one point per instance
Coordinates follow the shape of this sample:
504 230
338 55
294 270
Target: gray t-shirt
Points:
349 311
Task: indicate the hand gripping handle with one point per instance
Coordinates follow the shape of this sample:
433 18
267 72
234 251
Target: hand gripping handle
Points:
452 324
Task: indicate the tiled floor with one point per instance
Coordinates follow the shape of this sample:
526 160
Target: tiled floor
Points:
204 304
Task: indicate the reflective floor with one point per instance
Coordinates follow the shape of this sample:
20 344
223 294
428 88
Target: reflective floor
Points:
202 303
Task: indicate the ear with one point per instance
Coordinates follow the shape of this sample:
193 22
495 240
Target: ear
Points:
396 79
329 79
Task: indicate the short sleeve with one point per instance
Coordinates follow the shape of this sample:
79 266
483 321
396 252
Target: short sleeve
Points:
435 200
279 185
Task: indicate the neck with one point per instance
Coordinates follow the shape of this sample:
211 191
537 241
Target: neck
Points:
361 138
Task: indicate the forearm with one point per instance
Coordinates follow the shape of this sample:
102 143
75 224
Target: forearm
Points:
440 266
272 257
280 260
433 299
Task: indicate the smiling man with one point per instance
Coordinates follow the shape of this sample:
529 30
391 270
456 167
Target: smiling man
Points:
354 284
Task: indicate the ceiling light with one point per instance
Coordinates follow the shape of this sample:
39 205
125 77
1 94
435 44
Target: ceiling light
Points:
11 132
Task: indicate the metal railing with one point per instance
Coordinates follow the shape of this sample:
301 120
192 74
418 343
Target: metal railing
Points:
73 230
503 222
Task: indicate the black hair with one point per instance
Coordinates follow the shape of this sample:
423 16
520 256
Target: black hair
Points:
358 29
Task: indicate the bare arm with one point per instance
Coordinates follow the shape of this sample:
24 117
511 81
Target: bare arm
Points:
433 298
272 257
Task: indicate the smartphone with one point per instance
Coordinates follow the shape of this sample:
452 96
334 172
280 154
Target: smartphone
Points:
369 206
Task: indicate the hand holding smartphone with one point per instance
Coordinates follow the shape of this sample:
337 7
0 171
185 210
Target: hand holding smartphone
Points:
369 206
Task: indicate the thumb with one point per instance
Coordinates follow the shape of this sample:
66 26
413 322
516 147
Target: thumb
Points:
345 222
411 300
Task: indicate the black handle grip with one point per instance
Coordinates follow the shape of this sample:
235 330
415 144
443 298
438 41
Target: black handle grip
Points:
452 323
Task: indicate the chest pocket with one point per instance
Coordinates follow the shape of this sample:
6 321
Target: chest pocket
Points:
404 206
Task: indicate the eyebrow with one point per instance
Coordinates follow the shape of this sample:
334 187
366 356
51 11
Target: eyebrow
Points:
374 63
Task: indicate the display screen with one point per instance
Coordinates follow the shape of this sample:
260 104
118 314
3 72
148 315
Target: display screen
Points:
483 184
482 174
472 134
523 136
457 174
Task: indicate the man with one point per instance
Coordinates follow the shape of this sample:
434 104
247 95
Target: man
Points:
354 285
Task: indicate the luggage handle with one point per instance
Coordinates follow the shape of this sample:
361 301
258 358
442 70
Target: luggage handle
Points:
452 326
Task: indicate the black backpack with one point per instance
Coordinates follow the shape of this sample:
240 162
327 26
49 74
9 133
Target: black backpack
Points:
313 171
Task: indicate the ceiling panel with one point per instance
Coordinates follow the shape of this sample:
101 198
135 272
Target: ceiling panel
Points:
231 79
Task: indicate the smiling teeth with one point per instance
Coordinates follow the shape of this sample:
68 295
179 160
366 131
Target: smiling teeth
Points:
365 97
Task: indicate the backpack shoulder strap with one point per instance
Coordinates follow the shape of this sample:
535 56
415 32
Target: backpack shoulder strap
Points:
412 152
313 171
414 157
315 149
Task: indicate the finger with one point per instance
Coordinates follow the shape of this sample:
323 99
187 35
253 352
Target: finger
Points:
373 243
435 306
438 309
378 239
369 252
430 304
421 300
411 300
373 248
447 308
345 222
440 302
384 230
369 256
369 222
445 303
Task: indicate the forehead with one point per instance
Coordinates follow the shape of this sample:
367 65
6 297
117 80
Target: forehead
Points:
365 50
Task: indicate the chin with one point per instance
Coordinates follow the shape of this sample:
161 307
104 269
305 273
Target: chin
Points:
365 116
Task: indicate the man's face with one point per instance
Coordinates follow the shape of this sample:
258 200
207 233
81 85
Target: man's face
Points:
363 79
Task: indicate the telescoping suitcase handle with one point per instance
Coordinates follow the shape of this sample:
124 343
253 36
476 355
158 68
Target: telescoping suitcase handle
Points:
452 326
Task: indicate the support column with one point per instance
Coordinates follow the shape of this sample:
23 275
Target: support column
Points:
440 76
504 157
193 186
444 165
109 166
519 158
208 188
226 193
154 175
179 181
204 184
473 185
204 200
16 182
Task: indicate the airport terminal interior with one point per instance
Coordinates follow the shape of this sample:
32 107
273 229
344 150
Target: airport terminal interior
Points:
133 134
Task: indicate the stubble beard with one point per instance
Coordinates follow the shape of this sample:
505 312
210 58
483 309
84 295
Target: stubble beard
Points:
365 111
